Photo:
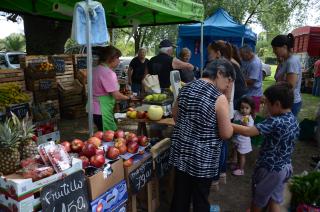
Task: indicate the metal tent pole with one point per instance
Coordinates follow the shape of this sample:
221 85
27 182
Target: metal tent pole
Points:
89 70
201 49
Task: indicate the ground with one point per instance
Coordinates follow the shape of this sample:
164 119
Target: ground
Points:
235 195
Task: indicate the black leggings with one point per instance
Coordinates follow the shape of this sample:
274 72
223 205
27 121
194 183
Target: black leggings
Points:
97 120
187 187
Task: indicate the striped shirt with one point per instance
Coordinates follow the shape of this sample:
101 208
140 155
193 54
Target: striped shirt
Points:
196 145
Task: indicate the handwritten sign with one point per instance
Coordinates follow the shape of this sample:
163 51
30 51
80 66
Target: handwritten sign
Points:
59 65
19 110
66 195
81 63
45 84
162 163
141 176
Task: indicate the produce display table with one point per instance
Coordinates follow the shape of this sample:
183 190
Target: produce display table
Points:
142 124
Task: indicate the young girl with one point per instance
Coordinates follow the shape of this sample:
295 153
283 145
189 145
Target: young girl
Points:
242 144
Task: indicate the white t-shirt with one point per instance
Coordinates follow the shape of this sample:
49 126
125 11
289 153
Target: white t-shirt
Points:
243 143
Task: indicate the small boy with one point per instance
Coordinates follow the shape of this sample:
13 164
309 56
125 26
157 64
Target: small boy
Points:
280 130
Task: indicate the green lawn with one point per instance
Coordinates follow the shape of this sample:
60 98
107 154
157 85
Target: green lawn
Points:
310 104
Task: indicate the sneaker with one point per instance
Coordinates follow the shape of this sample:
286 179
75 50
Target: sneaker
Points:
238 172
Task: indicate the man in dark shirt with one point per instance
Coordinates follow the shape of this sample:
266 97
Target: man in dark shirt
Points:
136 71
164 63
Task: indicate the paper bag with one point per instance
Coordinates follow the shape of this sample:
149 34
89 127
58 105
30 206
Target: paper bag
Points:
151 84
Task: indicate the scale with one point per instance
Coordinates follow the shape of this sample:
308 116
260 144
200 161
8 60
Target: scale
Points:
175 81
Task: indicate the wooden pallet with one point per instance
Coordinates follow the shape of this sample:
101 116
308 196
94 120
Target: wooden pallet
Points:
28 60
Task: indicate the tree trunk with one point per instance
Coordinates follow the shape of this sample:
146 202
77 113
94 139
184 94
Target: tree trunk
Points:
45 36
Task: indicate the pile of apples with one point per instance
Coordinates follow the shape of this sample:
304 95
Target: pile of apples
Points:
133 114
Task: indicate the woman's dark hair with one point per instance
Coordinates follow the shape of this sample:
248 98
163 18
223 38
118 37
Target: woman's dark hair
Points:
235 54
281 40
282 92
248 100
108 53
222 65
223 47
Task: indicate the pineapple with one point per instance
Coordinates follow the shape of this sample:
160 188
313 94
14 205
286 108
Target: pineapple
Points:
28 147
9 144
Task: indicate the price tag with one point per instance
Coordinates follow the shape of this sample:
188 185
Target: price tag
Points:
66 195
162 163
59 65
19 110
141 176
81 63
45 84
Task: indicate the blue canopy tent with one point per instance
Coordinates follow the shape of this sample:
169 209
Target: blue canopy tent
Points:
219 26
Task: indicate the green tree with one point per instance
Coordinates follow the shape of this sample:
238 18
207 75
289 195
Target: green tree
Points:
14 42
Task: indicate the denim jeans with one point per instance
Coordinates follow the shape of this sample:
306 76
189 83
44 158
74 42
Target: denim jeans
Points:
316 87
296 108
136 88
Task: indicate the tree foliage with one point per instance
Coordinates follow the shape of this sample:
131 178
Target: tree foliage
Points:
14 42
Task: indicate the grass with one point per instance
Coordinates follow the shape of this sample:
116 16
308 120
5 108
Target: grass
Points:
310 104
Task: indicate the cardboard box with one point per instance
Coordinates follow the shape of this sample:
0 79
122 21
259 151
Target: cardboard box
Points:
18 188
113 200
98 185
14 205
54 136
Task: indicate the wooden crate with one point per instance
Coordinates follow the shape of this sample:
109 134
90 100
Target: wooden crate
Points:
79 62
63 64
41 84
30 60
73 112
46 110
13 75
71 100
63 79
43 96
70 88
82 76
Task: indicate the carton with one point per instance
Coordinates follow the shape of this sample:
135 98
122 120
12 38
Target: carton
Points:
113 200
98 185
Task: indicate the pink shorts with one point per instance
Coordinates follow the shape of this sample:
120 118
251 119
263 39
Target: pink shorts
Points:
256 100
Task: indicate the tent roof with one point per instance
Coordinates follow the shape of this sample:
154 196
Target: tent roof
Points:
220 24
120 13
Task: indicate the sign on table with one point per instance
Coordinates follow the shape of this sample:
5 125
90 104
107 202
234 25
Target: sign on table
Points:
45 84
67 195
141 176
162 163
20 110
81 63
59 65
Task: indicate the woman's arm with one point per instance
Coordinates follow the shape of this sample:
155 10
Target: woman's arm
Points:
246 131
119 96
224 124
292 78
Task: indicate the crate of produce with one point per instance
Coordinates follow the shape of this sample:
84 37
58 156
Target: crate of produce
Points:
70 88
63 64
28 60
41 84
13 75
43 96
74 112
47 110
11 94
40 71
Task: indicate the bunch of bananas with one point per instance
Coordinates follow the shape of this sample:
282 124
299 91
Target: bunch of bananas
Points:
46 66
11 93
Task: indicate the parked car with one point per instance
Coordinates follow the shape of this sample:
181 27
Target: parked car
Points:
266 70
10 60
122 68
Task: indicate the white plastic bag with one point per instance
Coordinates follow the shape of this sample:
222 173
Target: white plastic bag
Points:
151 84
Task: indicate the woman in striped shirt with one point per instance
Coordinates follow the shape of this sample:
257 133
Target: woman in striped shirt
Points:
202 123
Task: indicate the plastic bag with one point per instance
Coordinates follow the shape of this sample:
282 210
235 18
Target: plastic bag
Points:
151 84
58 157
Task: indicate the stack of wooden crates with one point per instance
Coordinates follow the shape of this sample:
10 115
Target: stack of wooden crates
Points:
72 102
42 82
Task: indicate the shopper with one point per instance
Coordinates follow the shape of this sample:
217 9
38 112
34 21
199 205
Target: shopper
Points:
290 69
202 123
186 76
242 144
136 71
316 83
280 131
106 88
252 69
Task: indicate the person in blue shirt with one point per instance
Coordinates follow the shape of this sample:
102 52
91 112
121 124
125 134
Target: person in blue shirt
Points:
280 131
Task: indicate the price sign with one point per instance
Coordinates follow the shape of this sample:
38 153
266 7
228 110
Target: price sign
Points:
81 63
162 163
66 195
58 65
141 176
19 110
45 84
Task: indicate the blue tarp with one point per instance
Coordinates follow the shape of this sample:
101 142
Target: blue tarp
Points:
219 26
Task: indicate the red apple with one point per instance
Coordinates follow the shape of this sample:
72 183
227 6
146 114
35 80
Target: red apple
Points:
130 135
119 134
98 134
85 161
120 141
66 145
89 150
132 139
143 140
112 153
132 147
108 135
94 140
122 149
77 145
99 152
97 160
141 115
128 163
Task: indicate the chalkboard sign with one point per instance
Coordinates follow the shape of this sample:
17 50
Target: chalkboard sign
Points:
162 163
81 63
66 195
19 110
141 176
59 65
45 84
